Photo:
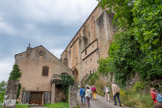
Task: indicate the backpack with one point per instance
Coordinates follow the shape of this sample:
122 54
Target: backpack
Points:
159 98
107 89
83 92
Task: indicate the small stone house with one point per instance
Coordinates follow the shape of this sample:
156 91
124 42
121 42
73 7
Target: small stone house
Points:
41 75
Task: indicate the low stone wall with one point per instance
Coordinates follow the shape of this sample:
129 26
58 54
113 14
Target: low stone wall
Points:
73 96
11 93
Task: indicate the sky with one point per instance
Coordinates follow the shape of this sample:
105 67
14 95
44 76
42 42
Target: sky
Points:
51 23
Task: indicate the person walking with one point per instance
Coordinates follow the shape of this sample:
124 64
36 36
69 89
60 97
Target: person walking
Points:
87 96
93 89
154 97
116 93
107 93
82 95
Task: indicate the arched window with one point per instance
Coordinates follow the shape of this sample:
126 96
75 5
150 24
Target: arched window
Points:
45 70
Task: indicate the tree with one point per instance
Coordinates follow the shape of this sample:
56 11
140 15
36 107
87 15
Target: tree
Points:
2 90
15 74
137 47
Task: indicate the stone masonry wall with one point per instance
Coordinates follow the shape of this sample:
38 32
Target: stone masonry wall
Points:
73 96
90 43
11 93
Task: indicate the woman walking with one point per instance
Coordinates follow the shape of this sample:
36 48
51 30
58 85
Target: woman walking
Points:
87 96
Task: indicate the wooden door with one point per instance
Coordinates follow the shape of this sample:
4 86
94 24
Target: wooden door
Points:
36 98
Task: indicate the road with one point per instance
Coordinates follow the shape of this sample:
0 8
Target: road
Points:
100 102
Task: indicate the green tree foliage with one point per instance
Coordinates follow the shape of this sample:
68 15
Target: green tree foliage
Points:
2 90
15 74
66 81
123 16
138 44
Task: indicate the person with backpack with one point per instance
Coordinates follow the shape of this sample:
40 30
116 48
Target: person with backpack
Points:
87 96
82 95
107 93
157 98
116 93
93 89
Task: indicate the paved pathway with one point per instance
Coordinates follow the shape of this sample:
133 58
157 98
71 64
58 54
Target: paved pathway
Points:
100 102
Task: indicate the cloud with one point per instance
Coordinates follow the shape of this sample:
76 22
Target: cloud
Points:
51 23
57 52
64 11
6 28
6 68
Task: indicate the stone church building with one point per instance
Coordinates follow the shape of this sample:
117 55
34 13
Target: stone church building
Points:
41 75
41 70
90 44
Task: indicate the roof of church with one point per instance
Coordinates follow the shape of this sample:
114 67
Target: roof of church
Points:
46 50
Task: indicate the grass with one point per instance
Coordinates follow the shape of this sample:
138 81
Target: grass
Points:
57 105
22 106
135 97
0 106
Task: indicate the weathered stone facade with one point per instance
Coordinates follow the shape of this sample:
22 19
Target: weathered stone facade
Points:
11 94
90 44
39 68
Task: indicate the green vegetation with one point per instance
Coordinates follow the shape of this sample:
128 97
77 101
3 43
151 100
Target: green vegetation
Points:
135 97
94 80
22 106
15 74
2 91
137 47
57 105
66 81
18 92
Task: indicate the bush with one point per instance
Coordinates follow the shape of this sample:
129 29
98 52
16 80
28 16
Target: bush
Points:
135 96
57 105
100 87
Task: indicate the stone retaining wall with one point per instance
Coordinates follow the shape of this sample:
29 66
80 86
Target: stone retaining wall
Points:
73 96
11 93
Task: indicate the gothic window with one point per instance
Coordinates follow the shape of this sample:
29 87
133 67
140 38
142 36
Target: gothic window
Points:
45 70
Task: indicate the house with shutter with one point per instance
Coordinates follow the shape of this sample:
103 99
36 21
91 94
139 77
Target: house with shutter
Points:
40 79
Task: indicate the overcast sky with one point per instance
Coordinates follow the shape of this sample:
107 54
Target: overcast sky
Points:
51 23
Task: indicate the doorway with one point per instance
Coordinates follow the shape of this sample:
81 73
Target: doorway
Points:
36 98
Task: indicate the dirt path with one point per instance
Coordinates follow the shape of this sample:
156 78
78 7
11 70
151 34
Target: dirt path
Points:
100 102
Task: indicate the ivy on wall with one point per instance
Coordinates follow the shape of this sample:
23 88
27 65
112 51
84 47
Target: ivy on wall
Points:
15 75
137 47
66 81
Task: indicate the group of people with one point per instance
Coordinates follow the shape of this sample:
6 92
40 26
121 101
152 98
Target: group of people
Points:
87 94
90 93
157 98
115 91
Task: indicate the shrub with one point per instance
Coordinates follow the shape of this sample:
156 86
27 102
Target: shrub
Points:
57 105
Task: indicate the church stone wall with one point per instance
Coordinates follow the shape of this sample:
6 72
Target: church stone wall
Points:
31 63
90 43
